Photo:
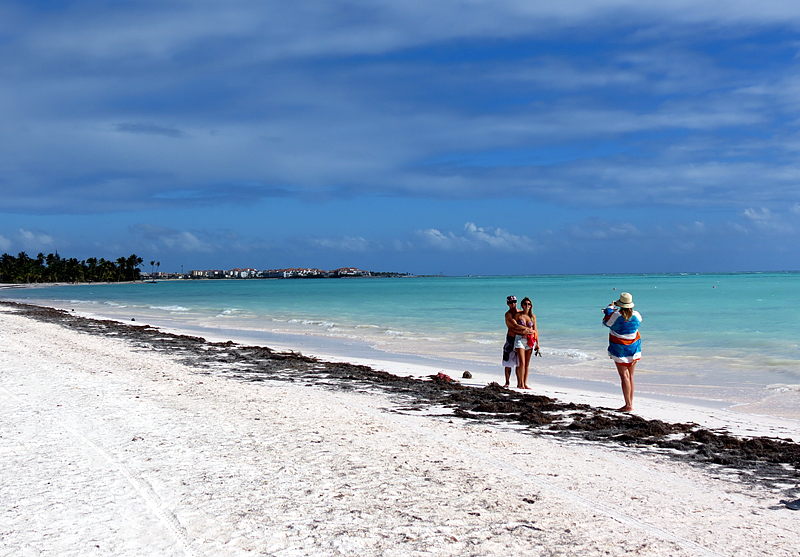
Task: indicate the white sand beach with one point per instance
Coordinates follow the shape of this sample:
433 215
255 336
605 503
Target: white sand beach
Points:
108 449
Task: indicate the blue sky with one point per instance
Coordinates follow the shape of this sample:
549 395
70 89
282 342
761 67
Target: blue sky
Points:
454 136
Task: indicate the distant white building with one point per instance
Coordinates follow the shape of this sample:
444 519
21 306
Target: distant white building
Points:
300 272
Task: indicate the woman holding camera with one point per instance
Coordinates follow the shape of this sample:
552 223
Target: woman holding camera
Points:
624 342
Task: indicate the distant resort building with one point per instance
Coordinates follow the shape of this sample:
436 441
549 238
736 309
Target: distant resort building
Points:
241 273
207 274
279 273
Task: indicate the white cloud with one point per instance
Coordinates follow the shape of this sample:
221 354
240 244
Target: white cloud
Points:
695 232
346 243
476 238
163 239
442 241
764 215
5 243
33 240
186 241
309 27
594 229
402 245
737 228
699 226
767 221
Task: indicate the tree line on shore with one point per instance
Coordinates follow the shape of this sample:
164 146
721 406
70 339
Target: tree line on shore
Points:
54 268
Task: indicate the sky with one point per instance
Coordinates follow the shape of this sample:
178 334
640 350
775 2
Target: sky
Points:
445 136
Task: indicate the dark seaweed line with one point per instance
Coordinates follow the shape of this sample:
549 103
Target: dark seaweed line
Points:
769 461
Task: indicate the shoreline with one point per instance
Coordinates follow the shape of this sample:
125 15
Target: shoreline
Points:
726 379
123 439
711 413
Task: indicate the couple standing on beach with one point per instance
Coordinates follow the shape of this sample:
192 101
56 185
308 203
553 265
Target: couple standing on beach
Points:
521 339
624 341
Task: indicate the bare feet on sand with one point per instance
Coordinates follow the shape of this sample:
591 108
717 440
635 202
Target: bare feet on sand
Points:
625 409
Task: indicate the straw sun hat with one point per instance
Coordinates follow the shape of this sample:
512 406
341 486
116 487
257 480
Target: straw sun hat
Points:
625 301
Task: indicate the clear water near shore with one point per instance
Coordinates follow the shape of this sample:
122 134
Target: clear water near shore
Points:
727 337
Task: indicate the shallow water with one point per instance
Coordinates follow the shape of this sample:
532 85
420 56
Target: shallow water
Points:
729 337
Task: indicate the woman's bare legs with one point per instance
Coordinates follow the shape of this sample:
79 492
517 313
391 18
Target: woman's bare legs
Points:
522 368
626 379
528 354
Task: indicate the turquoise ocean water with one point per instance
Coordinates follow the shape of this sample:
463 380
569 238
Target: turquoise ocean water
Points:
723 337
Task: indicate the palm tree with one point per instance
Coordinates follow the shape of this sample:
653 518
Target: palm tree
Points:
7 265
132 263
91 269
24 267
73 271
106 269
120 268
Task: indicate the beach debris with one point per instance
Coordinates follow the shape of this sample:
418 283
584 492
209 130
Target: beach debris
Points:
441 377
794 505
133 319
467 375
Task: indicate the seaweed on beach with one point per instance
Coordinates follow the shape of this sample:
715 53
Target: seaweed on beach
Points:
772 462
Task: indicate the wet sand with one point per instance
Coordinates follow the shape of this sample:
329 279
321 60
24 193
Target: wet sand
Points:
121 439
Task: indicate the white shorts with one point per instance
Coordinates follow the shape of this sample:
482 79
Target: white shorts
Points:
522 342
512 361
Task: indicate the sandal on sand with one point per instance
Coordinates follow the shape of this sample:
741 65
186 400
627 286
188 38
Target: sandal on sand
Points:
794 505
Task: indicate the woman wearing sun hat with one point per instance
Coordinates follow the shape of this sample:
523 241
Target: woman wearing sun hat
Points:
624 342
